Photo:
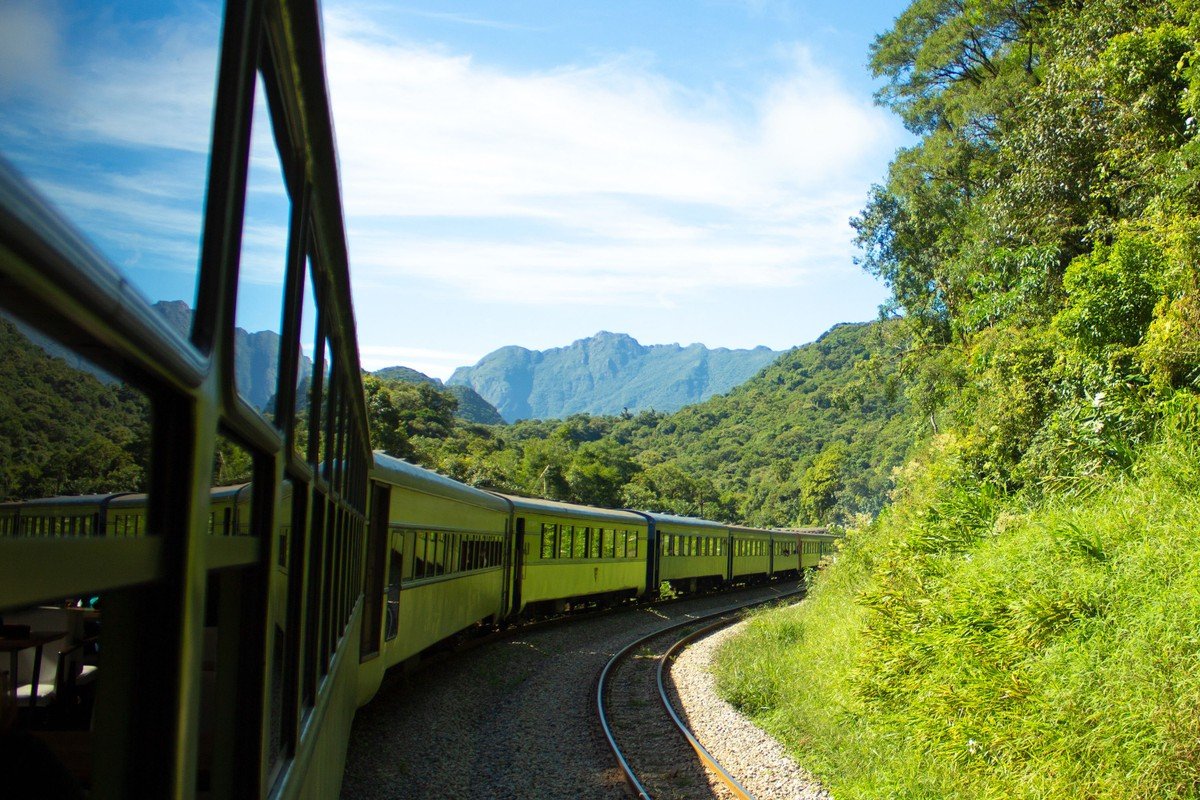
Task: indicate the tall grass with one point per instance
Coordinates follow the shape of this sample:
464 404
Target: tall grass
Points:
962 649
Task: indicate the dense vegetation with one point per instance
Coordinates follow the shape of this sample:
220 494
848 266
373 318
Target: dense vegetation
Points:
1020 621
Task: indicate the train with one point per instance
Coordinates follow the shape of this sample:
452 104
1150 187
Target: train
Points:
228 635
449 558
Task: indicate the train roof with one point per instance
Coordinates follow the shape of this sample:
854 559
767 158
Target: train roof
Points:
693 522
128 500
813 533
70 500
535 504
393 470
749 529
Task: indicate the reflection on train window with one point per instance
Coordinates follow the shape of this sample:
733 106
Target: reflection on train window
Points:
306 356
392 619
75 430
132 90
549 540
261 270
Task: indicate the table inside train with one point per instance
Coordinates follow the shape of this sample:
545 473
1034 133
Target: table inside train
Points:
14 645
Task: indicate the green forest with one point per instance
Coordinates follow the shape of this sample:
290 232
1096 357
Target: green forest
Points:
1021 620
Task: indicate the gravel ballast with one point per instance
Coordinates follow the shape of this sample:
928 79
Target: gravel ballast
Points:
513 718
758 762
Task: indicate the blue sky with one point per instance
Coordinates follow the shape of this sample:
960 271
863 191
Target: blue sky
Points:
513 173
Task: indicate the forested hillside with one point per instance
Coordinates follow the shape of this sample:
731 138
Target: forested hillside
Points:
1020 621
471 407
62 430
813 438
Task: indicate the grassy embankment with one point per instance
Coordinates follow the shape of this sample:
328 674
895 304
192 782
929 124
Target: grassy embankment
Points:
963 649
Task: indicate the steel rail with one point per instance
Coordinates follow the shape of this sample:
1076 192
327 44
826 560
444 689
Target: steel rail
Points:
706 757
602 687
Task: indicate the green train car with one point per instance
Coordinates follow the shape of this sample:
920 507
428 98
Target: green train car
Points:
567 553
691 554
445 561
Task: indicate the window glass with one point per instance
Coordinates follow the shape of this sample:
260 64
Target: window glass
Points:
593 539
579 543
107 108
69 429
307 355
262 267
549 535
565 534
327 391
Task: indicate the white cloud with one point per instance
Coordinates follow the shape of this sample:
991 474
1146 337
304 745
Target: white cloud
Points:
434 363
601 183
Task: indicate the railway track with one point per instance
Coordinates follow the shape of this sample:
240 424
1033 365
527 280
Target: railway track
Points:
659 756
514 718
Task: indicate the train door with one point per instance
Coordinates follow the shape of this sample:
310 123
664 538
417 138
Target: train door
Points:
395 576
729 555
375 597
519 556
771 545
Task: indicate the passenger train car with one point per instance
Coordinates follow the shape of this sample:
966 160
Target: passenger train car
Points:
225 635
442 558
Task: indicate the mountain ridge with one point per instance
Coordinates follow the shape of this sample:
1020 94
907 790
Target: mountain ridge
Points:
608 373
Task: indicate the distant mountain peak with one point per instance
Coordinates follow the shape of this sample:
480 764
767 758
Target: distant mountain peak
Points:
606 374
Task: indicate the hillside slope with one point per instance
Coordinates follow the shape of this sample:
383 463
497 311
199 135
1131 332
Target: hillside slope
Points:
813 438
471 407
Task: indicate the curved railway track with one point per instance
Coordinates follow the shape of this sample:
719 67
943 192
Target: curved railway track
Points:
645 732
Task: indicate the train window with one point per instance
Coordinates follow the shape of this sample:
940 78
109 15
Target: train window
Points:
593 542
565 533
579 542
265 236
306 354
549 540
419 545
75 430
391 623
322 405
112 125
437 557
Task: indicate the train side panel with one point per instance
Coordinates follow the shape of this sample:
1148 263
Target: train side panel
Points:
686 555
751 554
444 563
577 553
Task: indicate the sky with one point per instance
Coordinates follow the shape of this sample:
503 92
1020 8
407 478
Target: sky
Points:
528 172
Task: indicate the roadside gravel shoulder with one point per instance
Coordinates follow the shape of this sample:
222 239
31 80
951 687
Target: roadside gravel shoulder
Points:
747 752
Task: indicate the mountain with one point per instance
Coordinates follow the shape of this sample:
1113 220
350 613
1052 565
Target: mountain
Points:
471 407
256 354
406 374
606 374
